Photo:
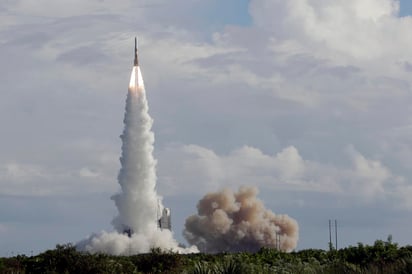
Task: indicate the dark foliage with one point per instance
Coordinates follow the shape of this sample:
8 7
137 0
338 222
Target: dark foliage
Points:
382 257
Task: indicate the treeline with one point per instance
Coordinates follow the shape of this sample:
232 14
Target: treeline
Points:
382 257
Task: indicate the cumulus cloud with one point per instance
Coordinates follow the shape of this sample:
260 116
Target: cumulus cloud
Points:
21 172
318 52
369 176
358 29
55 9
24 179
367 180
245 165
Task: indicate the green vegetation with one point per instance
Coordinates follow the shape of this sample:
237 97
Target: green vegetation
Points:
382 257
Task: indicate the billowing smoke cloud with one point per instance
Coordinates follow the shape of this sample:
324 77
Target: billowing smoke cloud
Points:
229 221
121 244
138 204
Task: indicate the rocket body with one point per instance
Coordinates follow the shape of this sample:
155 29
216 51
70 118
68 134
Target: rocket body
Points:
136 80
136 57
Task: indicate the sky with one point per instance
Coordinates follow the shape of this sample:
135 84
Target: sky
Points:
310 101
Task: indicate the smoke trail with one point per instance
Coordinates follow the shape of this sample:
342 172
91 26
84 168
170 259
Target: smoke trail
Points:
228 221
138 203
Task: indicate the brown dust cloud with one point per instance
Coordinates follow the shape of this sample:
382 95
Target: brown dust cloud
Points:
229 221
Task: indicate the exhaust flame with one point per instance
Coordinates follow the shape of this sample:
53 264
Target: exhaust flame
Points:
234 222
136 80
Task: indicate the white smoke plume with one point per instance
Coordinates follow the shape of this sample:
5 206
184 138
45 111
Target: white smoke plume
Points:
138 204
234 222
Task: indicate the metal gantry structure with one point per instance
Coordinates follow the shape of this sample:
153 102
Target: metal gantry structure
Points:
335 227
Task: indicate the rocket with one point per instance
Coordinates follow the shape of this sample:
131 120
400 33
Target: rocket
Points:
136 60
136 79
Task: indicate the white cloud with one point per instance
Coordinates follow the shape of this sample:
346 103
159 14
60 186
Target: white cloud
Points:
21 172
290 163
88 173
360 29
65 9
60 178
369 175
200 169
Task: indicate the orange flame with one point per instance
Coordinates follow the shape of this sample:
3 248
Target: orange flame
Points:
136 80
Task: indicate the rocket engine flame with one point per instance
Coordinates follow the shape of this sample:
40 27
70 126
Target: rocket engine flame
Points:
136 83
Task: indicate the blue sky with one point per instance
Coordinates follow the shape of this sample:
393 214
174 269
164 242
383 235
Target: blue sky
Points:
227 13
310 107
405 8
